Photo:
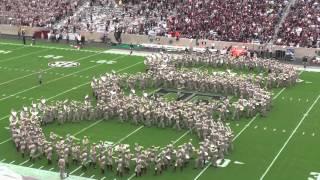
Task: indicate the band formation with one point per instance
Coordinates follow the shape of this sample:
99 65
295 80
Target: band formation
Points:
243 95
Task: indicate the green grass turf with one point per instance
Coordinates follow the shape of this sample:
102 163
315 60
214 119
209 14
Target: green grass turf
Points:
257 145
171 96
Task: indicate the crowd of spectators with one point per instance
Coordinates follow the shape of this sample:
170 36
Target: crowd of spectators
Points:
36 12
228 20
135 17
222 20
302 25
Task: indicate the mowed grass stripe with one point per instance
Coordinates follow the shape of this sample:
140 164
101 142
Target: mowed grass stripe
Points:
14 51
31 65
12 58
46 69
56 79
51 47
53 90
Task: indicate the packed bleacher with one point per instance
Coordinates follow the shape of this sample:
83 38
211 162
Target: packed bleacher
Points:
141 17
228 20
221 20
302 25
36 12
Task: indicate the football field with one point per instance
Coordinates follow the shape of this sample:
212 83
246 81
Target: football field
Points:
282 146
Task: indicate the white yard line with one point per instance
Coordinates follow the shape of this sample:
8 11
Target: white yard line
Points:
124 138
23 162
75 170
4 159
291 135
48 82
53 80
12 162
74 88
45 70
103 178
41 167
77 87
49 47
18 57
202 171
245 127
92 176
301 72
132 176
51 169
84 129
7 140
242 130
278 94
183 135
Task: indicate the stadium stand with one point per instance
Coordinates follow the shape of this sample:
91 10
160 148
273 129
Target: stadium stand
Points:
302 26
36 12
219 20
230 20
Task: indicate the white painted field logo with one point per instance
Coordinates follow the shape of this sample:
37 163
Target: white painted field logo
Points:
314 176
51 57
64 64
104 62
4 52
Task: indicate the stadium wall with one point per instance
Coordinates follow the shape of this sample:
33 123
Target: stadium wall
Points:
182 42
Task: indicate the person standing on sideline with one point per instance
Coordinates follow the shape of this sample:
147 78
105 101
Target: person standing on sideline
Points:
23 33
40 77
131 49
62 165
